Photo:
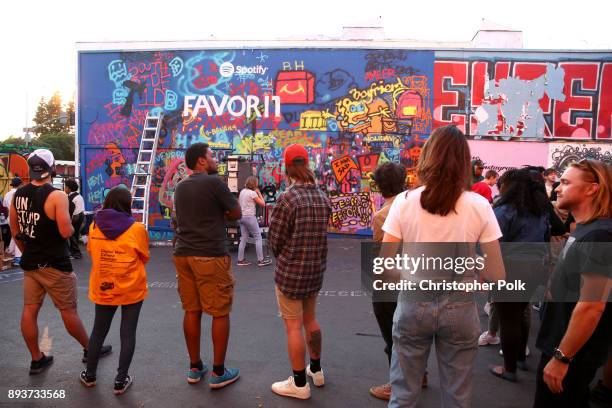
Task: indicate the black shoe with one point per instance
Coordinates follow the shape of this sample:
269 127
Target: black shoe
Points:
37 367
86 380
104 351
122 386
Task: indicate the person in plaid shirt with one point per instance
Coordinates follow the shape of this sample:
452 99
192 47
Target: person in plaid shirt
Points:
298 239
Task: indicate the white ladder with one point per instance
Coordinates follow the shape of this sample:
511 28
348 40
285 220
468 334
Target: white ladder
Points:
141 179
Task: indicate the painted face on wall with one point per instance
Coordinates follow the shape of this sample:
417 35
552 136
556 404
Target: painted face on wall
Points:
354 115
115 161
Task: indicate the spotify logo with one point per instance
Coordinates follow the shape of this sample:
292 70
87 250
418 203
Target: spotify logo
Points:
226 69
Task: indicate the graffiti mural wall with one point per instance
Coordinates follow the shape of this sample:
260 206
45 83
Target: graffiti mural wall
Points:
352 108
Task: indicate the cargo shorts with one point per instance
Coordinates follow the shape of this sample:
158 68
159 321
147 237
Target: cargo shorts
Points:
205 284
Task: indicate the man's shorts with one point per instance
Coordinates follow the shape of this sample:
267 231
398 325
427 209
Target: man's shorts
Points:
61 287
292 309
205 283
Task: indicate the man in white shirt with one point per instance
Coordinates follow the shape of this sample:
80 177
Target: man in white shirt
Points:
12 249
77 212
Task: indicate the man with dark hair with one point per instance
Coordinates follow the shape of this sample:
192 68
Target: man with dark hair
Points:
202 203
390 178
40 225
550 178
484 187
298 239
76 209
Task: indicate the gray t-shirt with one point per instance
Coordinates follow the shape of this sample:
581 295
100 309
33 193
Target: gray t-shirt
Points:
200 202
247 202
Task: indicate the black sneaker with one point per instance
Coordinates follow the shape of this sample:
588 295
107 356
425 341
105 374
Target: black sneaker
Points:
104 351
86 380
122 386
38 366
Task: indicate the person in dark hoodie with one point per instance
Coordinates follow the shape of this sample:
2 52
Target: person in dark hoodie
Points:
576 330
119 249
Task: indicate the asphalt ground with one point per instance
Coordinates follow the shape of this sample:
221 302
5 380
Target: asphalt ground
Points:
353 358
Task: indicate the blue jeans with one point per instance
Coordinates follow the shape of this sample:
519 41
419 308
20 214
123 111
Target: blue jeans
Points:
249 224
454 326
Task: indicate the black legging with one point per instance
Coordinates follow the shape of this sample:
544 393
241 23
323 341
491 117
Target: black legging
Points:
514 324
102 323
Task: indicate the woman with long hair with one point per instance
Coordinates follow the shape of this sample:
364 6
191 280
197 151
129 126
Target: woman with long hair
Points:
523 216
119 249
440 211
249 198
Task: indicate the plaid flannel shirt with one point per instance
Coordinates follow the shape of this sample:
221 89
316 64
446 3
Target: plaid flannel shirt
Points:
298 239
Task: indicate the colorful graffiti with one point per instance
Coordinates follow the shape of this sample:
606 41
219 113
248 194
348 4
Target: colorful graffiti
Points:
500 98
351 108
12 165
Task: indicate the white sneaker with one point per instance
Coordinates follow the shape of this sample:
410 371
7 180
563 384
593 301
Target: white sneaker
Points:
486 339
317 378
288 388
501 352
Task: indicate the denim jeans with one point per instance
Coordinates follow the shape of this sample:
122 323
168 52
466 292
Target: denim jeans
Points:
249 224
454 327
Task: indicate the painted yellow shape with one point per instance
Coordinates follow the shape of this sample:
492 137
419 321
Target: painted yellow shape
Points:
409 110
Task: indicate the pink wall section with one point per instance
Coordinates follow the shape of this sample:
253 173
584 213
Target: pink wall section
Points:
504 155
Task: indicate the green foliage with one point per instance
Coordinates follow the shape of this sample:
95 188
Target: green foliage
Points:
48 113
60 144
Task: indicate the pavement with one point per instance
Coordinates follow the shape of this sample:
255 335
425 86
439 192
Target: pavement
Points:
353 358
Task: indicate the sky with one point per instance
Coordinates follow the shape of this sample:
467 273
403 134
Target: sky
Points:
39 37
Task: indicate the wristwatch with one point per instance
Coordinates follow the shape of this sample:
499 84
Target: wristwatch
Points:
558 354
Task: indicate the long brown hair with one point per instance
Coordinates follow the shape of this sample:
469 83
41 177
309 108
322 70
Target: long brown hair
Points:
595 171
300 172
444 169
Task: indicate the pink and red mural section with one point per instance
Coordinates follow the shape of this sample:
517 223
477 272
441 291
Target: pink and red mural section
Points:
503 99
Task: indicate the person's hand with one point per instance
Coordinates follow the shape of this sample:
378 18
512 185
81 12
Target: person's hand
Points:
554 373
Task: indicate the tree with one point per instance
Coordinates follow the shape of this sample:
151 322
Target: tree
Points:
60 144
48 113
41 117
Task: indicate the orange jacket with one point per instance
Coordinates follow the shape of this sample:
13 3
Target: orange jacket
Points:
118 275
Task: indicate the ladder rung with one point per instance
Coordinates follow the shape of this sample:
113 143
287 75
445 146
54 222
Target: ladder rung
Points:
137 211
136 198
143 163
140 174
150 128
146 151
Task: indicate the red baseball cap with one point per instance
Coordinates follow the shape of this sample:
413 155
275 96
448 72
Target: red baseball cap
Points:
295 151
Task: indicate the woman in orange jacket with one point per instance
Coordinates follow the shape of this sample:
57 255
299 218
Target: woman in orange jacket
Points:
119 249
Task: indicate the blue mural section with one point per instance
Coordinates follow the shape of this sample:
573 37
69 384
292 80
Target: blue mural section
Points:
352 109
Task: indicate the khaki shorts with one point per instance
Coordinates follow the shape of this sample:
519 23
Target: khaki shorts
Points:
292 309
61 287
205 283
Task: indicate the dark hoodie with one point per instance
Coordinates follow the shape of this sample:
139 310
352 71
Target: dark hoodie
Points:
588 251
112 223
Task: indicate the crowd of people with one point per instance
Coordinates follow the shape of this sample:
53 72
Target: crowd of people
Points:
453 204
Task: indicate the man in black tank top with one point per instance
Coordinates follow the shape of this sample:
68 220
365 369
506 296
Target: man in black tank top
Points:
40 225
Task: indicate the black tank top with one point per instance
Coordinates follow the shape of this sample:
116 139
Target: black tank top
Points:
44 246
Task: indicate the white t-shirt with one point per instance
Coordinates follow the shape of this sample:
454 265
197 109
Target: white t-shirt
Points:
247 201
8 198
79 204
473 221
